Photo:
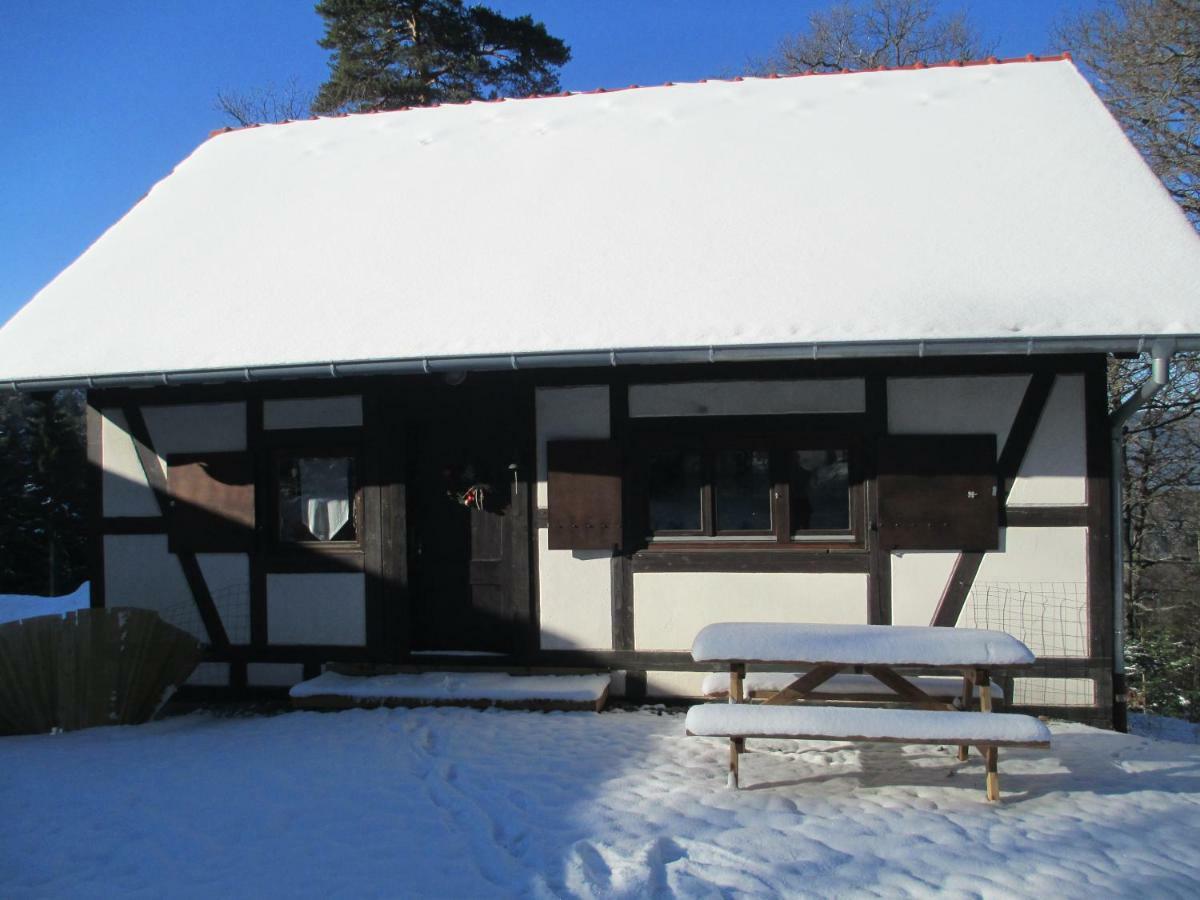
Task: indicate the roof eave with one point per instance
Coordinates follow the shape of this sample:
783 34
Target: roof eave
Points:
809 351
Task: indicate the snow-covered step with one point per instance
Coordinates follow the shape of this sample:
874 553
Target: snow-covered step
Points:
333 690
845 685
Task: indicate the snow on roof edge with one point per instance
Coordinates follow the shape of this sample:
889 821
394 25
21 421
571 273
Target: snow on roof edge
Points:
1065 56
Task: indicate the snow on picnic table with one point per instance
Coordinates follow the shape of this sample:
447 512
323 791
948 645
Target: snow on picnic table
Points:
461 803
889 645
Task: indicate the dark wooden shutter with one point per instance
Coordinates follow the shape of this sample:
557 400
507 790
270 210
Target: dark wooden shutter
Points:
938 492
584 493
212 502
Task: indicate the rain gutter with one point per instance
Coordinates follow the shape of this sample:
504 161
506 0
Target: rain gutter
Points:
613 357
1160 376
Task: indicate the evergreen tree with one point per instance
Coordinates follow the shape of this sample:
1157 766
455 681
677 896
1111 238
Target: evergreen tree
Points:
43 480
389 54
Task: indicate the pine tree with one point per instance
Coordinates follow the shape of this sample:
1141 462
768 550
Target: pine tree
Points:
389 54
43 466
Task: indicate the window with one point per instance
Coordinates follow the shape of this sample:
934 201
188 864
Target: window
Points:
317 497
801 490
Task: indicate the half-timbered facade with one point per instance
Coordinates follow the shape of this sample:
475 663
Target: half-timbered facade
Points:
753 391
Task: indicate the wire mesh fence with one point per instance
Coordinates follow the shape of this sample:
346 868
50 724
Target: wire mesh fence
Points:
1051 618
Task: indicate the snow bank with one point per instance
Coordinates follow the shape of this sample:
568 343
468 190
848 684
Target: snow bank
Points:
744 719
717 684
493 686
1164 728
458 803
895 645
14 607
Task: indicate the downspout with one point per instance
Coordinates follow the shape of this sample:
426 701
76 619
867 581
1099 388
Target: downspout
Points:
1160 376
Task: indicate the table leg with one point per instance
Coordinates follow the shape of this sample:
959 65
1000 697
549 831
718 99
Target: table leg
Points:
983 681
737 694
993 774
967 697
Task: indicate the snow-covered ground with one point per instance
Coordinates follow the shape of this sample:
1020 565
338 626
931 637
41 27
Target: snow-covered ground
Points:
1164 728
21 606
454 802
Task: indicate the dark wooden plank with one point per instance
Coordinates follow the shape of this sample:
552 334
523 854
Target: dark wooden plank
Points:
1046 516
635 685
524 535
879 577
954 596
1110 689
262 504
938 492
212 502
751 560
622 561
394 522
132 525
95 501
583 487
371 538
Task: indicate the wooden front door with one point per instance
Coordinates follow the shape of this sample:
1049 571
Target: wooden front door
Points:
470 551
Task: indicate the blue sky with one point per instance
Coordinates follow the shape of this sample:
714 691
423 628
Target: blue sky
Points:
101 100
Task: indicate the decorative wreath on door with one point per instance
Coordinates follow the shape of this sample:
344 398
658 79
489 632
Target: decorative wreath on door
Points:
465 488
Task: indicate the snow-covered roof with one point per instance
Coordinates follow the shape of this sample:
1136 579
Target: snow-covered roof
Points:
971 208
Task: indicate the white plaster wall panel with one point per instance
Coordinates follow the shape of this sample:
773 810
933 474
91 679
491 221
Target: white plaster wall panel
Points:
976 404
1054 472
568 413
260 674
918 580
574 597
321 608
138 571
125 491
670 608
227 576
210 674
734 398
674 684
1035 588
313 412
1054 692
196 427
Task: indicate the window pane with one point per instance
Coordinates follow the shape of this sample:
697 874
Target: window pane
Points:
316 498
676 480
820 488
742 490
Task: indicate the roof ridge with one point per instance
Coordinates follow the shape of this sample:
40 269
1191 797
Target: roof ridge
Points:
952 64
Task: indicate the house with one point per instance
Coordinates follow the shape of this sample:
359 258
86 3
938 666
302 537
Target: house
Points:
553 383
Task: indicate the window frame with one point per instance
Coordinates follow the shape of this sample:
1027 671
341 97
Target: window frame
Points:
277 542
709 437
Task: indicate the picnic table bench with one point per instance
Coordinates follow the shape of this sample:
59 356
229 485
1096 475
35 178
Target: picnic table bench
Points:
900 709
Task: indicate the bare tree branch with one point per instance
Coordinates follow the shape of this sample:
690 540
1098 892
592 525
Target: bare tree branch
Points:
265 104
871 33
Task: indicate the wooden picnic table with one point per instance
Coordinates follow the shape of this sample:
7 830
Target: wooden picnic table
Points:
823 651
